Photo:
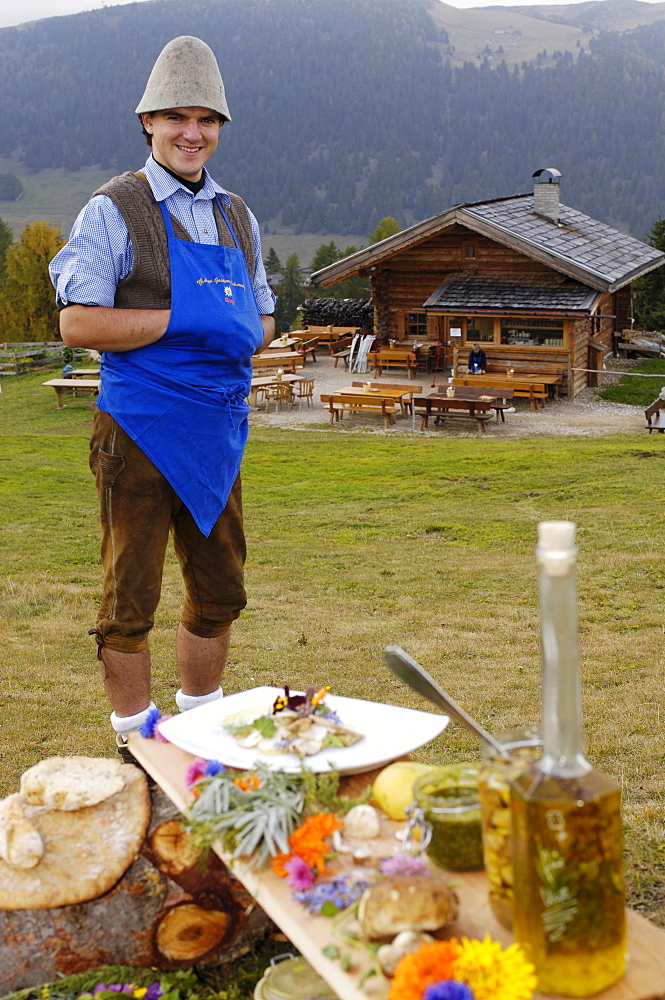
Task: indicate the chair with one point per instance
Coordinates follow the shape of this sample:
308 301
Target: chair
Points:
305 390
280 392
655 416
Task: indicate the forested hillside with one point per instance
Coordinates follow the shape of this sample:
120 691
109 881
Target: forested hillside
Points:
345 111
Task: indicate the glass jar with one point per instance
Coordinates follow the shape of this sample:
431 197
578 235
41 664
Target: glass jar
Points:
291 977
450 803
524 745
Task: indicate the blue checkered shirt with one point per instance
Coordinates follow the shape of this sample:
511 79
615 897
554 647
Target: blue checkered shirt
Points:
99 252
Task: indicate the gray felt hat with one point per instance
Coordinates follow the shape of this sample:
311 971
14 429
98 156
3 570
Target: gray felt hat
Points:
185 75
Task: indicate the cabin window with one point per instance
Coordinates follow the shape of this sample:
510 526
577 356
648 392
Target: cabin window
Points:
480 329
469 251
532 332
416 325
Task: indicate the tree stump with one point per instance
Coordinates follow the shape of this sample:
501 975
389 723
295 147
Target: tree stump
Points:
171 908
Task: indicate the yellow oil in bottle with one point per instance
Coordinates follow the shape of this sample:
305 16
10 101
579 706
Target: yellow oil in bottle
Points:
568 901
569 895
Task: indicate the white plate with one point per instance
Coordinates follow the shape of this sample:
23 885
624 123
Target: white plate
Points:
389 732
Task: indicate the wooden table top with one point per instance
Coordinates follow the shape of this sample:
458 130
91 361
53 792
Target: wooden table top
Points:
496 378
279 343
644 978
467 394
380 392
260 381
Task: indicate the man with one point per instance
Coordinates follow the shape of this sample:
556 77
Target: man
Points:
163 274
477 361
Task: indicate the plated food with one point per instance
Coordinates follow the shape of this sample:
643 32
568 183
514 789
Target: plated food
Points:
300 724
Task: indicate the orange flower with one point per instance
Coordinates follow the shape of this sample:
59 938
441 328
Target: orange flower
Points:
248 784
417 971
308 842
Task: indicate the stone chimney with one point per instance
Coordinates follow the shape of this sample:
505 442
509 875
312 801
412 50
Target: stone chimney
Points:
546 193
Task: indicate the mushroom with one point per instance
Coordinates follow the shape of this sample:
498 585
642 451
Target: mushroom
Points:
389 955
406 903
362 823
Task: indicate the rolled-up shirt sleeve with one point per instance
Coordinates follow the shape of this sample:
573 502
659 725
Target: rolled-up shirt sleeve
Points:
96 257
263 293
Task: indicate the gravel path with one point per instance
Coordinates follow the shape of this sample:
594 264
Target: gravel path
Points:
585 415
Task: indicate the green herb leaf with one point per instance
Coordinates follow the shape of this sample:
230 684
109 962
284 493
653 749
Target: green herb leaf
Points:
329 909
345 962
265 725
330 951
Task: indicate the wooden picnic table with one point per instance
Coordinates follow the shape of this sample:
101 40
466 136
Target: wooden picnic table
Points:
470 393
442 407
388 357
288 360
378 390
167 764
73 385
85 372
535 387
263 381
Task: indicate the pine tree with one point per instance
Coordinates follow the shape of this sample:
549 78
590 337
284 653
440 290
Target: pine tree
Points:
649 290
272 263
6 240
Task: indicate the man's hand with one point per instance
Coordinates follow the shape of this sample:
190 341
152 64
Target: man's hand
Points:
106 329
268 323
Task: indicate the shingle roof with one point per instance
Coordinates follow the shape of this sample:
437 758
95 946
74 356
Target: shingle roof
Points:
578 246
577 242
512 294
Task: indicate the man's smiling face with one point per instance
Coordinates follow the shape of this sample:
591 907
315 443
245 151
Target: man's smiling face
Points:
183 139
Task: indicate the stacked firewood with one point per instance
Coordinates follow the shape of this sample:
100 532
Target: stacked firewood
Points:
338 312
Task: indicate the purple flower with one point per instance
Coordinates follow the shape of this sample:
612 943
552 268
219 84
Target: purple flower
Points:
300 875
153 992
334 893
448 989
194 771
404 864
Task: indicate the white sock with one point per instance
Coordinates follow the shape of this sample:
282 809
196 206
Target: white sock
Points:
187 701
124 724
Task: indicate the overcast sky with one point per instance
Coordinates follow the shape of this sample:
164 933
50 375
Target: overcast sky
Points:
18 11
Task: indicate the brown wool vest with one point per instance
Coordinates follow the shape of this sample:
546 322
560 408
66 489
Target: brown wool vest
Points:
148 285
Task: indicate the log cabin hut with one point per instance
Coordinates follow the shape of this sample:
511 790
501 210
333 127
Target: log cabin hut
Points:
541 287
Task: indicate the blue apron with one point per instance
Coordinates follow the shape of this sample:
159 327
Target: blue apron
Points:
182 399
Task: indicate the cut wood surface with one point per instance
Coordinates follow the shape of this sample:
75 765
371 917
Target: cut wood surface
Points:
172 907
644 978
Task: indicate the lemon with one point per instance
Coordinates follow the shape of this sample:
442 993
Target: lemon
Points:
392 790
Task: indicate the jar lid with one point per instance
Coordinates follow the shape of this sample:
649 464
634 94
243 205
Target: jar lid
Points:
293 979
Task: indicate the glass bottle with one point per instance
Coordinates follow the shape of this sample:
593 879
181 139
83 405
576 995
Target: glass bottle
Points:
566 821
496 775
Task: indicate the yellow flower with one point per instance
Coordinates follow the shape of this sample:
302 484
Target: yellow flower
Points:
494 974
140 991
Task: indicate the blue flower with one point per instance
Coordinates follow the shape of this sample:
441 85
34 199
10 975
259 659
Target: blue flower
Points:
213 767
448 989
147 730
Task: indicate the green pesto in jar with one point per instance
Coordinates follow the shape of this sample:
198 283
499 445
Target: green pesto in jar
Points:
450 801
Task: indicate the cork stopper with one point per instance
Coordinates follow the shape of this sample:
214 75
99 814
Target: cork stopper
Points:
556 548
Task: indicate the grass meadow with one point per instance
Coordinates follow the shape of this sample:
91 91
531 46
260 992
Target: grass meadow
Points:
357 541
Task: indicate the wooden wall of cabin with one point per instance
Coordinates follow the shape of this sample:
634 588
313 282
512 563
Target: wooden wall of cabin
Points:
579 333
413 275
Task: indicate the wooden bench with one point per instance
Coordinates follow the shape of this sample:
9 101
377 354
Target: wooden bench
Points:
444 409
655 416
393 359
340 350
73 385
536 391
339 403
329 335
288 361
306 347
